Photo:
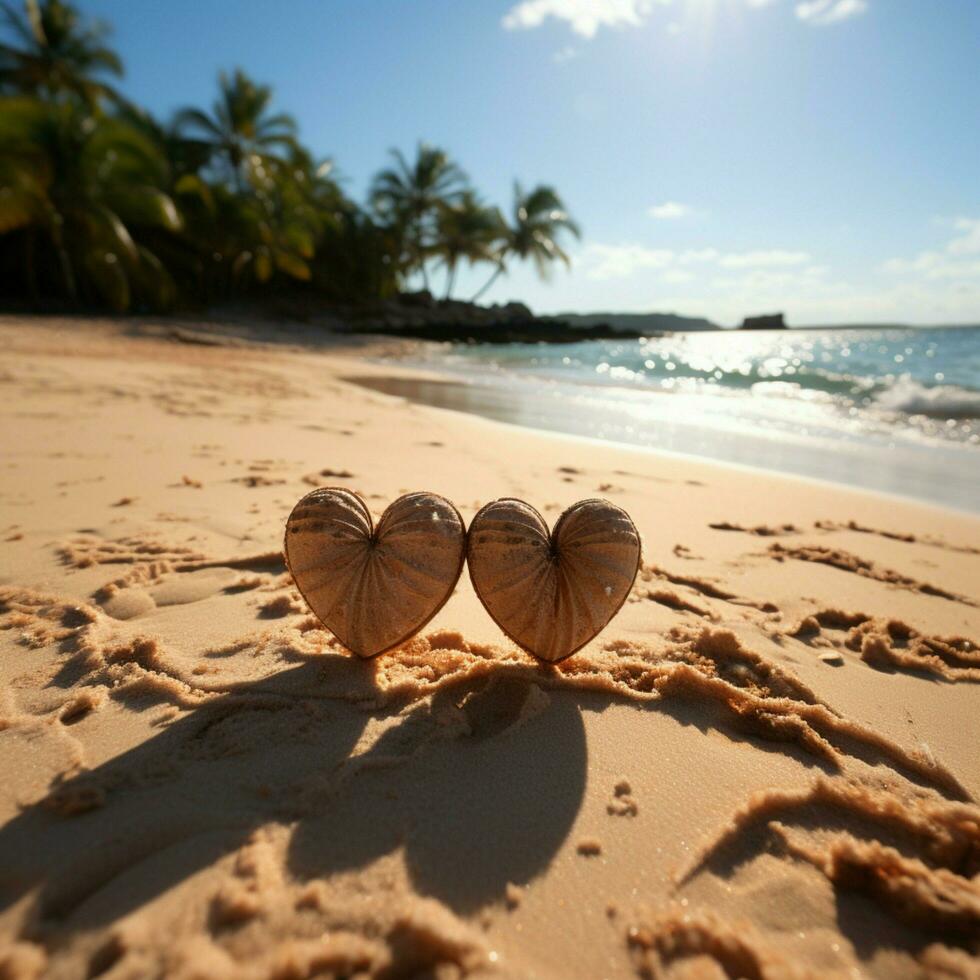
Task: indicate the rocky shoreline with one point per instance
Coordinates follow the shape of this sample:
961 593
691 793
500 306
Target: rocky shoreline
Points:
420 316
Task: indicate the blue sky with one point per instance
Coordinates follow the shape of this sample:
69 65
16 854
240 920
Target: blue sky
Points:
724 157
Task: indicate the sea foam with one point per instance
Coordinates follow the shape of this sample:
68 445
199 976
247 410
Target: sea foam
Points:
939 402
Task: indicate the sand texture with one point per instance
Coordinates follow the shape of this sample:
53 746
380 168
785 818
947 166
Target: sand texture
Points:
766 765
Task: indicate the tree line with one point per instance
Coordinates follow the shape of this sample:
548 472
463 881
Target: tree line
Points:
104 206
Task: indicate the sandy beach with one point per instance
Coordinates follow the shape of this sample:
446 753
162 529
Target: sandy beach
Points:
765 766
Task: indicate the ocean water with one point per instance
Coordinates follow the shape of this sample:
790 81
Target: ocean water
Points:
887 409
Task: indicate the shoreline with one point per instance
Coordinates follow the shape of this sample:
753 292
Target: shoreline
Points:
202 782
749 469
943 474
378 358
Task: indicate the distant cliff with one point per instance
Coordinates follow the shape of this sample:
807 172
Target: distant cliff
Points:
638 324
766 321
422 317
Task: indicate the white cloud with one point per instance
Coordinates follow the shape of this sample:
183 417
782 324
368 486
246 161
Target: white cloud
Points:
669 211
585 17
605 261
784 282
934 265
822 12
698 255
632 277
693 282
960 259
621 261
677 276
969 242
763 258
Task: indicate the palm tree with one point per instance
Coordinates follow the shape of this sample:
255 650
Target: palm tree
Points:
81 189
185 155
357 258
278 231
317 183
467 230
410 195
58 52
539 218
239 131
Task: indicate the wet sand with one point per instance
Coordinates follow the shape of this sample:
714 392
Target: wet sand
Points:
942 474
764 766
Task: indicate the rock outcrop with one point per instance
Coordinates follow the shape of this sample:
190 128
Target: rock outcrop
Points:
423 317
766 321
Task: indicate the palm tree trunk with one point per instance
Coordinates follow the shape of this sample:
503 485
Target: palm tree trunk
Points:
421 256
450 280
64 260
416 254
488 283
68 274
30 269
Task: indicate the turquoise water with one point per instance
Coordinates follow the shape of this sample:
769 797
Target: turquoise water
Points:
889 409
923 379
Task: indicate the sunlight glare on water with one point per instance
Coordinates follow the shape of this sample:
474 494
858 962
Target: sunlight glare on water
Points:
893 409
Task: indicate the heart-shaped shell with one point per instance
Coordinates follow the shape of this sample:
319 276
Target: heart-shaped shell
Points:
372 587
552 593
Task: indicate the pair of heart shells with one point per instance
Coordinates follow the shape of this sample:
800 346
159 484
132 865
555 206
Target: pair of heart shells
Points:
374 587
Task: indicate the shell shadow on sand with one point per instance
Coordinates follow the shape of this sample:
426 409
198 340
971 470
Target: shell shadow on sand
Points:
495 794
476 812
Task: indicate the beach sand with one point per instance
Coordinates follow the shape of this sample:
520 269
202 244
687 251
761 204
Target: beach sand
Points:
765 766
